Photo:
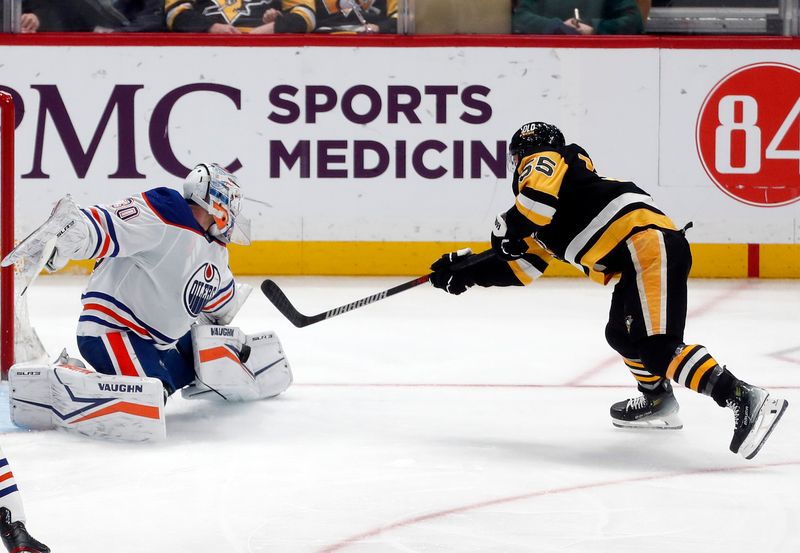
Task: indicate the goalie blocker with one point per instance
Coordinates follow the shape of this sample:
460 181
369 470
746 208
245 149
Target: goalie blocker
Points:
229 365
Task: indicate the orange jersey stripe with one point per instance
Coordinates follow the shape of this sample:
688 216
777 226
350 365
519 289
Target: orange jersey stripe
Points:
106 238
219 301
116 317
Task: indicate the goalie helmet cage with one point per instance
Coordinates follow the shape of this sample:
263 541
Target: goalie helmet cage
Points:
18 340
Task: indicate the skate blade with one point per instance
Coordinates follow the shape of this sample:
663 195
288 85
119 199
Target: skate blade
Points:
672 422
768 416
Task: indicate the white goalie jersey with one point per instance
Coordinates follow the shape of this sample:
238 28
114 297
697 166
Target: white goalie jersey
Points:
157 269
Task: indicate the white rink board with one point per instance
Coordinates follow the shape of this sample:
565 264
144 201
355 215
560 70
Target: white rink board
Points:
687 76
633 109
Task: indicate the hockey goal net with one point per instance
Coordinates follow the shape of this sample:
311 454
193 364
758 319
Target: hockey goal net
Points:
18 339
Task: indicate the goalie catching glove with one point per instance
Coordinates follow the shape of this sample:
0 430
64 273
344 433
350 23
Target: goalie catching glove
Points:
63 236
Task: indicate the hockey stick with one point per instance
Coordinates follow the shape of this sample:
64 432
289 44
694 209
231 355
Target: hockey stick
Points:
282 303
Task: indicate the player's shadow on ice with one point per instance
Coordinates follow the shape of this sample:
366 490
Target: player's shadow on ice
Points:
624 451
219 420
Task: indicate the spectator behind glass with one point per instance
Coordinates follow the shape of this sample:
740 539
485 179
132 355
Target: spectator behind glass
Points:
357 16
141 15
29 21
578 17
242 16
71 15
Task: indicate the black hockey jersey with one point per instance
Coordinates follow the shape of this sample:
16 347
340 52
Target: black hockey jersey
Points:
571 213
198 15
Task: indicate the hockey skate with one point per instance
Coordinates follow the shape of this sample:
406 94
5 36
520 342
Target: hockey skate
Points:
755 415
650 410
15 536
64 359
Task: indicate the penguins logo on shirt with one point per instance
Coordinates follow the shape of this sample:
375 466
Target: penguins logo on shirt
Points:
231 10
202 286
346 6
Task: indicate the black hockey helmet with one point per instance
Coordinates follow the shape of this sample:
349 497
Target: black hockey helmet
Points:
532 136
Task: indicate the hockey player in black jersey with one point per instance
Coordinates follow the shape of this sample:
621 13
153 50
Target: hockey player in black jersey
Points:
612 230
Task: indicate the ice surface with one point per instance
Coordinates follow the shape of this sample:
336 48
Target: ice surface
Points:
431 423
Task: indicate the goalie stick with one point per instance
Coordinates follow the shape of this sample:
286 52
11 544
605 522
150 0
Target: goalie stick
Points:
281 302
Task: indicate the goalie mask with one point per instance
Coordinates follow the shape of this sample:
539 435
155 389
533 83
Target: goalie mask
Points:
216 190
532 137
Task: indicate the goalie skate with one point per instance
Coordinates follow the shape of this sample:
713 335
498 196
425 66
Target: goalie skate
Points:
647 411
755 415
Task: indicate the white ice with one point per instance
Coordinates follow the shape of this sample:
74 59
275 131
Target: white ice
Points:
432 423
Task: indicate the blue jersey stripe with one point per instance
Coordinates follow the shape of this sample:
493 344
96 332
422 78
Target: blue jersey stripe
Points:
112 233
217 295
103 322
8 490
100 295
222 290
98 234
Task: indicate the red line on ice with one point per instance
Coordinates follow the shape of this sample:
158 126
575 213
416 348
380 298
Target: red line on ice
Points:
351 540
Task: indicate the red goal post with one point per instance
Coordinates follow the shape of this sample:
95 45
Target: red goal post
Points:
18 340
6 231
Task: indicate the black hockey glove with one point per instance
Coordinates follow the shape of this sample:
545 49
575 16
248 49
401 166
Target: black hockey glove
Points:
452 280
506 247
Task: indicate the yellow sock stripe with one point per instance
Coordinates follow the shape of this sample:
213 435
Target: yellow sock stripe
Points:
678 359
640 378
634 364
701 370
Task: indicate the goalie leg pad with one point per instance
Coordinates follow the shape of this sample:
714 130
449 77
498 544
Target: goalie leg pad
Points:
79 400
30 397
269 364
235 367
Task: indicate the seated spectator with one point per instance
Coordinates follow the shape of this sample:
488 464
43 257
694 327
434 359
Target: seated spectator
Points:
75 15
29 21
644 9
141 15
580 17
254 17
357 16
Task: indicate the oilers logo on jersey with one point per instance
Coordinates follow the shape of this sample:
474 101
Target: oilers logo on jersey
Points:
202 286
